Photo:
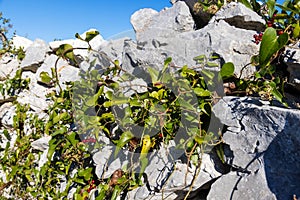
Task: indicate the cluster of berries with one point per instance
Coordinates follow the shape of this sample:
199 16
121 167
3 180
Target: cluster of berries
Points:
258 37
89 140
271 23
92 186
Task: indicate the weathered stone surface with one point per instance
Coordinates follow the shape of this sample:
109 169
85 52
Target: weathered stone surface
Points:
264 144
113 49
166 23
182 48
65 71
169 178
238 15
292 59
109 51
141 19
8 66
237 186
7 112
21 42
262 141
35 55
41 144
106 162
36 103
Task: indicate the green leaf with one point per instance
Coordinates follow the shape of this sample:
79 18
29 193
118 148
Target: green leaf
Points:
296 31
52 147
116 192
185 104
61 117
212 64
66 51
124 139
45 77
220 153
201 92
209 74
144 164
200 59
168 61
86 173
91 35
154 74
271 7
91 101
79 37
270 44
255 60
227 70
72 139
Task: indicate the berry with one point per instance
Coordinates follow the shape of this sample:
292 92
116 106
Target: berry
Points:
258 37
279 32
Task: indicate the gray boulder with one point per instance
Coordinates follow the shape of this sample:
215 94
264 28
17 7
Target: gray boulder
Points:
233 44
238 15
166 23
8 66
263 148
35 55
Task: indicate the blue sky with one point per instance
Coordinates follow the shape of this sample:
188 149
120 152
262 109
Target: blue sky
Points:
61 19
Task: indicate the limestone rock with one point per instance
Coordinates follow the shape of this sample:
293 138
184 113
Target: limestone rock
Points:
8 66
263 148
41 144
141 19
166 23
7 112
236 186
238 15
65 71
21 42
35 55
182 48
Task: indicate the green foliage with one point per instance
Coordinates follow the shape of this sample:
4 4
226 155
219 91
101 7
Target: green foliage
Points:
171 100
271 44
9 88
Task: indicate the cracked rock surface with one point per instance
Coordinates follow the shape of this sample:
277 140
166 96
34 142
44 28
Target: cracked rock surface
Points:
264 144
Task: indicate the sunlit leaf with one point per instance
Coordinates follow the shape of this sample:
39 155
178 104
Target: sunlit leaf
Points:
270 44
66 51
91 35
124 139
45 77
201 92
271 7
227 70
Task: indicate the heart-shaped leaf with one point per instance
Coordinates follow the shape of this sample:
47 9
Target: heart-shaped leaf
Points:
227 70
45 77
66 51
